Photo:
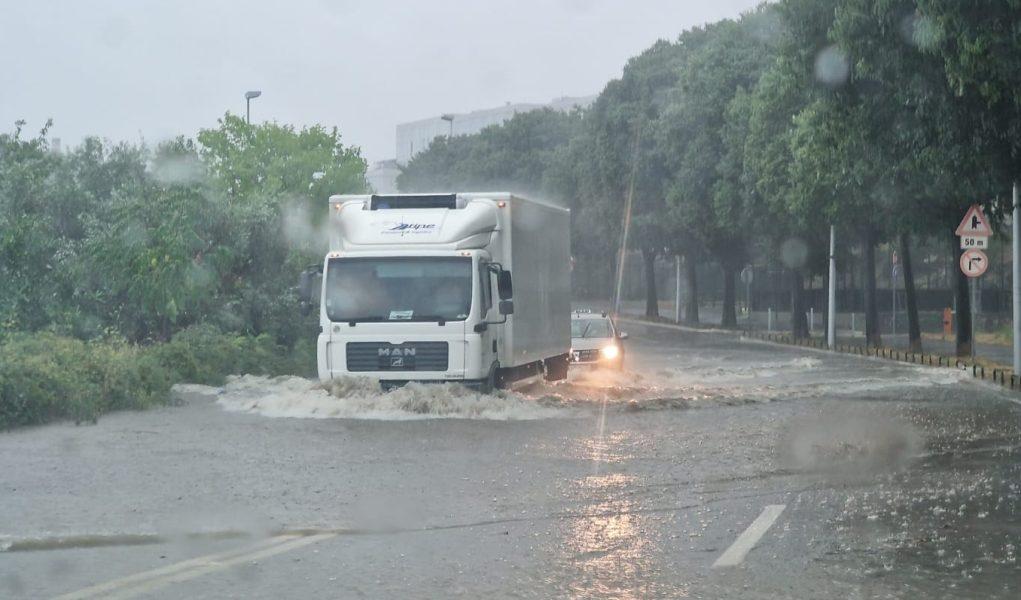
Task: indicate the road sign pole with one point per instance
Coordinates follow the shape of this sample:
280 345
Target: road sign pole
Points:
1016 282
974 232
831 322
971 306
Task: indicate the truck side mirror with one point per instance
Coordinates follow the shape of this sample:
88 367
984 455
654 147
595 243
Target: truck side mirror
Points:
504 285
622 335
305 286
506 307
309 282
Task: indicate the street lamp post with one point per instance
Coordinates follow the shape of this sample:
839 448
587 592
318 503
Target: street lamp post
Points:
449 118
248 104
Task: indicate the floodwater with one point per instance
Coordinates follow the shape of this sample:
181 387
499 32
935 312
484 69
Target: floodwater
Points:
889 480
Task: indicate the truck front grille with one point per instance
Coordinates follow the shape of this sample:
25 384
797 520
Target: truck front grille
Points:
384 356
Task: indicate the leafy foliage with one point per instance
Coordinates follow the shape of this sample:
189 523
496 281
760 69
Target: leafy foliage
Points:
44 376
884 118
190 247
147 242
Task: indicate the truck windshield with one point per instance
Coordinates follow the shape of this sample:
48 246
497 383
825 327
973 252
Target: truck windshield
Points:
399 289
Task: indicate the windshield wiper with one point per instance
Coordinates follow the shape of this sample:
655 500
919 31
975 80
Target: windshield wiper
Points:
374 318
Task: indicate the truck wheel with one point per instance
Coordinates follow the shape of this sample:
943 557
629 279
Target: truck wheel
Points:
492 380
556 368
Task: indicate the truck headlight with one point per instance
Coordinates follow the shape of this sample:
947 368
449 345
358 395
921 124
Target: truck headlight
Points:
611 352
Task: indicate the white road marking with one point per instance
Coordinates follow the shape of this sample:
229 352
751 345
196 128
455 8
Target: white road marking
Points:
148 581
749 537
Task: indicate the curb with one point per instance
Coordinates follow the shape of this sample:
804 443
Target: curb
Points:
1004 377
674 326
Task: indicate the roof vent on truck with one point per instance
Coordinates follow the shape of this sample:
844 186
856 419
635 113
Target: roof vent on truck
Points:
406 201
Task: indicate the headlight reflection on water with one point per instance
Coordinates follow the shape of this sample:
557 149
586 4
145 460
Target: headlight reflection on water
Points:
610 548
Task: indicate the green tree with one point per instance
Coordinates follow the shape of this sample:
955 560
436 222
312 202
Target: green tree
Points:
275 180
513 155
780 95
704 134
928 143
28 246
541 153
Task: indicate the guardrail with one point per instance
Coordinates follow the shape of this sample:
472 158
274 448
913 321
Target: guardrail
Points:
1002 376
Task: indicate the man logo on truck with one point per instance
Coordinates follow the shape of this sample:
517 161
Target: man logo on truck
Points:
396 352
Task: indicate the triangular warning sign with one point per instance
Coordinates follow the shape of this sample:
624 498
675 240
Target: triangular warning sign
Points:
974 223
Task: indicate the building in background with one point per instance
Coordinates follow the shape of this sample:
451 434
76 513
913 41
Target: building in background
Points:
382 176
416 136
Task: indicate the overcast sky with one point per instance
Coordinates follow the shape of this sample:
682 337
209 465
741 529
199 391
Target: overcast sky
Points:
130 68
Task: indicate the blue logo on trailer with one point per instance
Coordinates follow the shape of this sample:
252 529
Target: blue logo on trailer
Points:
413 226
403 228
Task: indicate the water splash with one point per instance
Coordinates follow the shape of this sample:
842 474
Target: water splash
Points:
362 398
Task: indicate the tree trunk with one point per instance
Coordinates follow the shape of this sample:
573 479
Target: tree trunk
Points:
651 297
799 322
729 298
872 337
914 331
963 317
691 277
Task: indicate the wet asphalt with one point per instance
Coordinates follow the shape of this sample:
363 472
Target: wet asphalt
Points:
884 480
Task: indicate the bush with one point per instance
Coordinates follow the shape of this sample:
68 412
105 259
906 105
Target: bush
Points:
204 354
45 377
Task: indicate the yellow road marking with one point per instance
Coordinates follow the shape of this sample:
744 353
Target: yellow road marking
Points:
148 581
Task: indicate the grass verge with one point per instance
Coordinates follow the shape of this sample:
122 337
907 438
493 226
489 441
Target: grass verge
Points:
46 377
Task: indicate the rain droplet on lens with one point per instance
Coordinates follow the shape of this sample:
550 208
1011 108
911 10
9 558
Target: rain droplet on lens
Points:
919 30
831 66
794 253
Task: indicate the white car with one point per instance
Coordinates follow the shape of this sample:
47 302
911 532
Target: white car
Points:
596 341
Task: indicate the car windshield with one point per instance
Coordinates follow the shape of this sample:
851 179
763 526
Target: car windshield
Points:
591 328
398 289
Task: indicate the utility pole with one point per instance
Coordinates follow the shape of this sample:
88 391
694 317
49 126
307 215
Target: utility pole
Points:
618 295
831 323
894 273
677 289
1016 282
893 292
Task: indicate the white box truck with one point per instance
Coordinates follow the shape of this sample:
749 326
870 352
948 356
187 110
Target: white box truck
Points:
467 287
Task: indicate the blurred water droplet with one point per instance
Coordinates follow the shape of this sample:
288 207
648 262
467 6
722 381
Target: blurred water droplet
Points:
919 30
831 66
794 253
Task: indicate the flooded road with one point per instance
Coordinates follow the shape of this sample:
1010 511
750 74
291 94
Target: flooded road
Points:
710 468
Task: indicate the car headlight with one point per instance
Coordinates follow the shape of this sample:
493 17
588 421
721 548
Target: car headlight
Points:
611 351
